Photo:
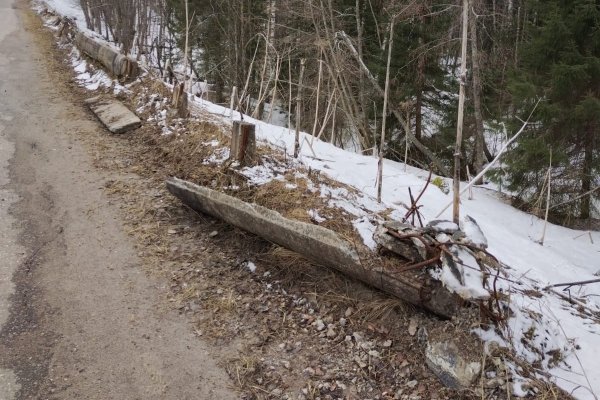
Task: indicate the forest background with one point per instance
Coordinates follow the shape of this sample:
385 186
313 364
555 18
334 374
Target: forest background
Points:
322 65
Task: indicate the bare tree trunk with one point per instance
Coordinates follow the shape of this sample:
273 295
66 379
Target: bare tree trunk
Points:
586 174
384 116
420 85
549 181
361 77
275 84
461 110
314 130
186 47
478 152
395 110
258 110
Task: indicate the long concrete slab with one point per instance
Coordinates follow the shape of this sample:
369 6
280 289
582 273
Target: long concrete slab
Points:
321 245
113 114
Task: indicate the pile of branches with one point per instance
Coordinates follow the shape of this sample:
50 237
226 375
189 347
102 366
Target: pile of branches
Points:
458 258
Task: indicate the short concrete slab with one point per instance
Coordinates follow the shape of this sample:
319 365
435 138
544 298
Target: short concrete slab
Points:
113 114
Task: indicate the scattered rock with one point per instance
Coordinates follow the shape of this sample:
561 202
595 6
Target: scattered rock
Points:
449 366
413 325
442 226
422 336
319 324
213 234
473 232
349 312
331 332
387 343
494 383
360 362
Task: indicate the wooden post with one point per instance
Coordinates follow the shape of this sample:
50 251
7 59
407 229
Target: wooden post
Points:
549 177
180 100
243 143
298 109
461 112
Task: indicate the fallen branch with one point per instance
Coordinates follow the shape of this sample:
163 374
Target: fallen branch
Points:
494 161
588 193
395 110
569 284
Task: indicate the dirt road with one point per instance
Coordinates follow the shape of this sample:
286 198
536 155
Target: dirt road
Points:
78 316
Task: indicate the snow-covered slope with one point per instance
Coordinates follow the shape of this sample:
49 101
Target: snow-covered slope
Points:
550 322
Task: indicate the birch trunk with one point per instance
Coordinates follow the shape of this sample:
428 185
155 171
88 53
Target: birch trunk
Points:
384 116
461 110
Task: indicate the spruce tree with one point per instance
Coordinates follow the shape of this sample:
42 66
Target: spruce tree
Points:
559 63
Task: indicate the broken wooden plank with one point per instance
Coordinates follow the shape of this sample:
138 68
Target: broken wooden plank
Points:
320 245
113 114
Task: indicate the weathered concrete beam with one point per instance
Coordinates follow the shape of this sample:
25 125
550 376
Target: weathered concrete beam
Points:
318 244
118 64
113 114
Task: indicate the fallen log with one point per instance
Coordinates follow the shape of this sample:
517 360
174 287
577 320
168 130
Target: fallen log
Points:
118 64
320 245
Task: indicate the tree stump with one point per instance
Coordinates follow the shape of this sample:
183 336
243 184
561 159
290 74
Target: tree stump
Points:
243 143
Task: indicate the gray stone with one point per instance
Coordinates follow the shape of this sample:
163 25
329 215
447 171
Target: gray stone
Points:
445 361
113 114
474 234
442 226
320 325
388 242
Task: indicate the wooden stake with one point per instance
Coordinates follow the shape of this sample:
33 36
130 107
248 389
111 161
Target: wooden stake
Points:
470 187
549 178
461 111
298 109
